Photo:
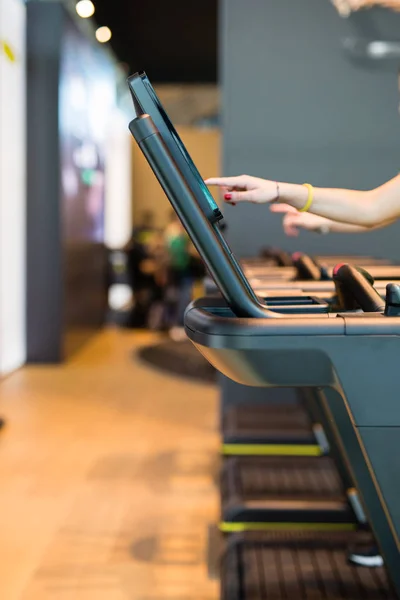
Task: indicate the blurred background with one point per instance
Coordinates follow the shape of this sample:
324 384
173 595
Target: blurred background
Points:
107 459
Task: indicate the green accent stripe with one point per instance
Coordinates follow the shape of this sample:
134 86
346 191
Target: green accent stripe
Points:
271 450
227 527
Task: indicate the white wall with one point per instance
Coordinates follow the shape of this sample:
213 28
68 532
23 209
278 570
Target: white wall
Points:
118 188
118 197
12 185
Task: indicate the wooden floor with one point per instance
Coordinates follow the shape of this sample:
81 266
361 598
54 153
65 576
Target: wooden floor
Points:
107 479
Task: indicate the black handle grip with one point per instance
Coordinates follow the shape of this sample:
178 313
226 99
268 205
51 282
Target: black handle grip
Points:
355 289
280 257
392 307
306 268
284 259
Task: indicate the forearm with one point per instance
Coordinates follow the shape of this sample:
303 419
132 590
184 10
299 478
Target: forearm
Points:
336 227
367 209
341 206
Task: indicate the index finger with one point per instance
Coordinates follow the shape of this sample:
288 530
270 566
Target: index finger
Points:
223 181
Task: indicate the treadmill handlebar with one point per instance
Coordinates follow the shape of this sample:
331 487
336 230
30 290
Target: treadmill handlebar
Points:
306 267
355 289
282 258
392 308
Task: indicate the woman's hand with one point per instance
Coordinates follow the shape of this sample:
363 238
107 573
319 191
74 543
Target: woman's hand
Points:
245 188
294 220
355 210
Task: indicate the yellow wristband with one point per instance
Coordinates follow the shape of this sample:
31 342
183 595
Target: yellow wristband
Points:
310 198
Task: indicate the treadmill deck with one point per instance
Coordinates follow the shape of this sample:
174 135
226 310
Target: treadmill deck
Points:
298 566
261 477
254 426
260 493
266 416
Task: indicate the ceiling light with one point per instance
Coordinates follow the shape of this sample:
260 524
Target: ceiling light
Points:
85 8
103 35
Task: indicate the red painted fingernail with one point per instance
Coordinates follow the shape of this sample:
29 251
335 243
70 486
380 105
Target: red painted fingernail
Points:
228 196
233 203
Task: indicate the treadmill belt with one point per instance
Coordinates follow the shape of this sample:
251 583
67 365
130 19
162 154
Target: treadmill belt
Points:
296 567
266 425
296 492
257 419
243 478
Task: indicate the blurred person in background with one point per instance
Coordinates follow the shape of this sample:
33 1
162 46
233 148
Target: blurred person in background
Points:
142 267
184 267
145 229
179 279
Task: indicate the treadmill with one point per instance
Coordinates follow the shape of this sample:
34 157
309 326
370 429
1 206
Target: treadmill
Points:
253 430
146 102
263 342
258 441
377 268
307 276
308 353
262 431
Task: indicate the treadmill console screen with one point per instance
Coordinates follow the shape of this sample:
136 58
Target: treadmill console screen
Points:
147 101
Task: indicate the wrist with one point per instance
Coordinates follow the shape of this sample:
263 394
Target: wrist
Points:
293 194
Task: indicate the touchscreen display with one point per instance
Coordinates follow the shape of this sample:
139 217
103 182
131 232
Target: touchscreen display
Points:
213 205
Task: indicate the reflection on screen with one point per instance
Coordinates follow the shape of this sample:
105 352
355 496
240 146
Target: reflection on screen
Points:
180 144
